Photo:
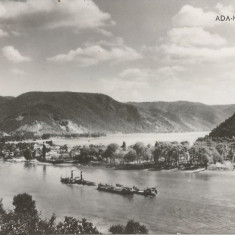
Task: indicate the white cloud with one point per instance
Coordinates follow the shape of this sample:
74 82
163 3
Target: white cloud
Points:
130 84
135 74
195 17
195 54
191 43
13 55
170 71
3 33
18 72
138 83
197 36
225 10
95 54
49 13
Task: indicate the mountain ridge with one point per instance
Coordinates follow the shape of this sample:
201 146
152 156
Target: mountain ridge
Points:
79 112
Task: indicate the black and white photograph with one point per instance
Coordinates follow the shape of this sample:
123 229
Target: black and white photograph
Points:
117 117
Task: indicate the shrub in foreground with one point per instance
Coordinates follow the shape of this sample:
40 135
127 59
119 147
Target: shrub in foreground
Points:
131 227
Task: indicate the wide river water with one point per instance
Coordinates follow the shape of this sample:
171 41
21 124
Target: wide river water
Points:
187 202
146 138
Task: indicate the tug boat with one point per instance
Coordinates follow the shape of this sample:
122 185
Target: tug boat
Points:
76 180
118 190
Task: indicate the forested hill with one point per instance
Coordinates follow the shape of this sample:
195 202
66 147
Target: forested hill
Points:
62 112
225 129
4 99
71 112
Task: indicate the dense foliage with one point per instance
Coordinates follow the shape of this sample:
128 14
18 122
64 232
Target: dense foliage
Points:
131 227
25 219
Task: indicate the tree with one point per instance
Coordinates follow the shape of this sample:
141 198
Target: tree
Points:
64 147
44 151
28 154
26 220
112 148
131 227
130 156
147 155
123 146
139 147
117 229
110 151
46 136
74 226
24 204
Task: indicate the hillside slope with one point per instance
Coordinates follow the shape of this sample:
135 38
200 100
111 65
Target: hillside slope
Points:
70 112
59 112
183 116
4 99
225 129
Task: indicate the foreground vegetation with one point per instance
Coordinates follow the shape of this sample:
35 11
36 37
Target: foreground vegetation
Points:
25 220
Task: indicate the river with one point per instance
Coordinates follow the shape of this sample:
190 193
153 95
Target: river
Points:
146 138
187 202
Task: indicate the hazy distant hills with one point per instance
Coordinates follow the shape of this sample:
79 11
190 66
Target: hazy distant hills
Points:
69 112
183 116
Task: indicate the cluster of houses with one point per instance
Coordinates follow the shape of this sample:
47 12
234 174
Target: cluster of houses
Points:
17 150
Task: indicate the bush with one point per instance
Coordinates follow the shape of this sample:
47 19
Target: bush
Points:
131 227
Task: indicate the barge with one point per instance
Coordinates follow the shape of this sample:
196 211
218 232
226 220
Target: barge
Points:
118 190
147 192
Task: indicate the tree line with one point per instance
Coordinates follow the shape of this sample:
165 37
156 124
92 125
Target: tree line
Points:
203 152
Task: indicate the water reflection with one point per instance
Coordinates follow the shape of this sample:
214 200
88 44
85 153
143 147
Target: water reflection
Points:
44 170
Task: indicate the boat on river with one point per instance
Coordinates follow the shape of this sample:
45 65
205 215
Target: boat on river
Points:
76 180
115 189
147 192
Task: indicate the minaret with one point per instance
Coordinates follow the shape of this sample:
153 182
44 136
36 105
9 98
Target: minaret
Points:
81 175
71 174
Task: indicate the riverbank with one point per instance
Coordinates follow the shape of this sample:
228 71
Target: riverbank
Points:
121 167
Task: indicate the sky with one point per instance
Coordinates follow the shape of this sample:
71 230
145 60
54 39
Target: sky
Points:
131 50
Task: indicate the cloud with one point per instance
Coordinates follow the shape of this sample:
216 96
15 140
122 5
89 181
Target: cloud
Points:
139 83
135 74
51 14
225 10
3 33
18 72
95 54
130 84
195 17
190 42
170 71
195 54
13 55
196 36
